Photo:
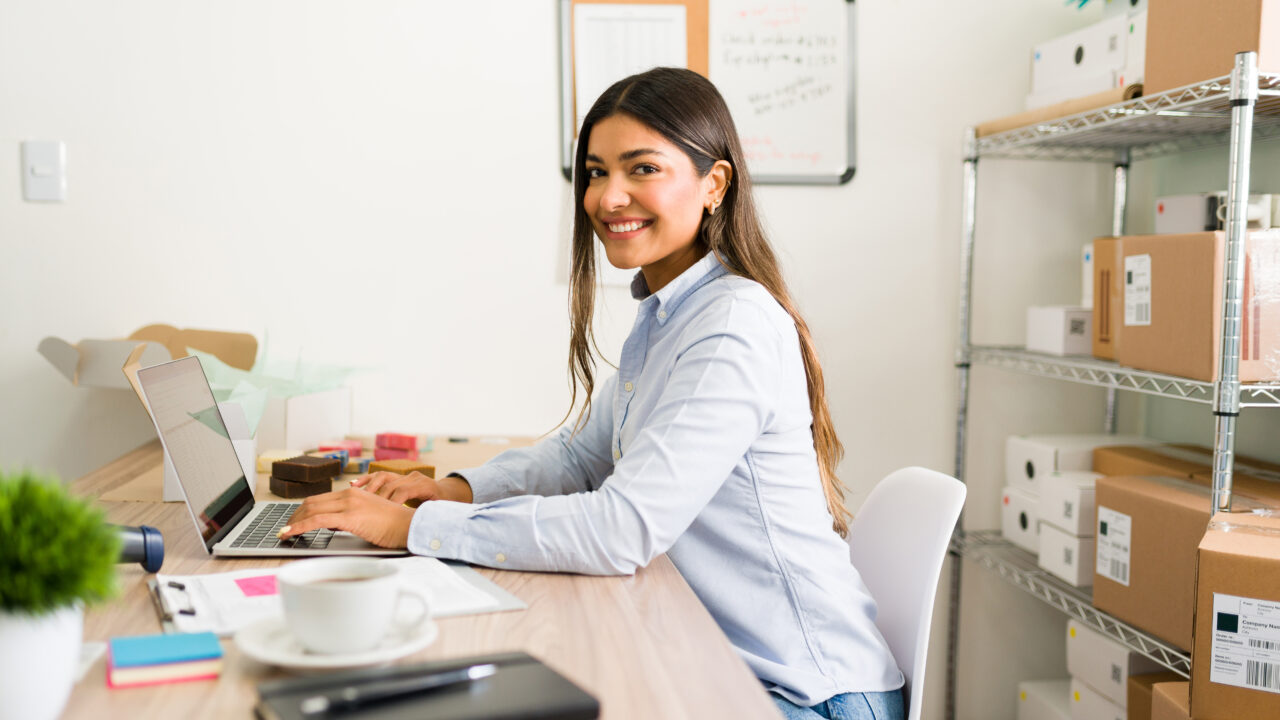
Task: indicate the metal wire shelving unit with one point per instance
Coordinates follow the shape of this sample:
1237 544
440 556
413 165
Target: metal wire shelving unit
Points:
1231 111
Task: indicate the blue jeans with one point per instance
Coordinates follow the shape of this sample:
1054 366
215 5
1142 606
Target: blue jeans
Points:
849 706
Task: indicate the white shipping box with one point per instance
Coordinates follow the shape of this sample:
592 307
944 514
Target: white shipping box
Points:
1092 51
1201 212
1123 7
1020 518
1078 88
1104 664
1087 704
305 421
1067 502
1060 330
1067 556
1028 459
1135 49
1044 700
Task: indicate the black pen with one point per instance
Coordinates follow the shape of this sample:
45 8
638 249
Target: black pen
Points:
355 696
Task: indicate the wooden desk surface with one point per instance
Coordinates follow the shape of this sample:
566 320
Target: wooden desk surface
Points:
644 645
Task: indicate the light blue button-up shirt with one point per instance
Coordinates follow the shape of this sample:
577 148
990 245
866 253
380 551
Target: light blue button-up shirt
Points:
700 447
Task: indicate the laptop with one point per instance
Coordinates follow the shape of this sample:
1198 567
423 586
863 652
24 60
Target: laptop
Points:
227 519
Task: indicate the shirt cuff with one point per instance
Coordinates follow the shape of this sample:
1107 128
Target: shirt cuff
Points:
487 483
437 529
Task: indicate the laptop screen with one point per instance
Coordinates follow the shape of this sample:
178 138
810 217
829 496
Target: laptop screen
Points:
191 429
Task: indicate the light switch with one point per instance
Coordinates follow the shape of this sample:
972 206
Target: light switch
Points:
44 171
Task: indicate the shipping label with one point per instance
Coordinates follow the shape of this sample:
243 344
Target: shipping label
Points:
1137 290
1246 642
1115 534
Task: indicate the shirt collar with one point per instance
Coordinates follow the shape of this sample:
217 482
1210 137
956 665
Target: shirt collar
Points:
674 293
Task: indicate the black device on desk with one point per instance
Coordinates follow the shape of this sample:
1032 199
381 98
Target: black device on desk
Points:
520 686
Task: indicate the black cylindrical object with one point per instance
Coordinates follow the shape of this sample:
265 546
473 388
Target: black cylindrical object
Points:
142 544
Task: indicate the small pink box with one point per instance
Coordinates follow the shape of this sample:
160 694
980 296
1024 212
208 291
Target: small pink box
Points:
394 454
353 447
397 441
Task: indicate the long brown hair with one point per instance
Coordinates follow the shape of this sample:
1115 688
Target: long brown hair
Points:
687 110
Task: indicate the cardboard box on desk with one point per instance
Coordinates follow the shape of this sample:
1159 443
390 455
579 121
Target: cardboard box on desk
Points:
1190 41
1108 297
305 421
1173 305
97 363
1104 664
1235 664
1147 535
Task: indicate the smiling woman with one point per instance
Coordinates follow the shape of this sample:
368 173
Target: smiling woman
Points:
714 444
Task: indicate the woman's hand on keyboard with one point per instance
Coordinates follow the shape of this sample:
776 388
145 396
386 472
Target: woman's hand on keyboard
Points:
376 519
415 488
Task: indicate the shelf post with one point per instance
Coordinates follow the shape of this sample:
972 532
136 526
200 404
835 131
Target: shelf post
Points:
1119 205
1226 401
968 211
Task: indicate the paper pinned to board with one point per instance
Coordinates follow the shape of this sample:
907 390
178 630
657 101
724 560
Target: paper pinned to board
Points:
612 41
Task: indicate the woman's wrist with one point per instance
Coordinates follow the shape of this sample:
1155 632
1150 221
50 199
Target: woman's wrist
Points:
455 488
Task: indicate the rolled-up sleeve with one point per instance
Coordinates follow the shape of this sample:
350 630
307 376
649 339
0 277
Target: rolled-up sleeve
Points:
718 398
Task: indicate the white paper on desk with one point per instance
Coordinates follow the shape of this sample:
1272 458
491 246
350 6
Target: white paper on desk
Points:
449 593
226 602
612 41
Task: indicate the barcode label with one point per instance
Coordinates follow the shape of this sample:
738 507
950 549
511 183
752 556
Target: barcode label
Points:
1246 642
1263 676
1114 531
1119 571
1137 290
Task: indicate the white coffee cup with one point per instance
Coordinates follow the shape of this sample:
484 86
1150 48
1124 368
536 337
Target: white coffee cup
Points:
345 604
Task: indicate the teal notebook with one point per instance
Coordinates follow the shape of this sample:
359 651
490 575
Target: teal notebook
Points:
161 649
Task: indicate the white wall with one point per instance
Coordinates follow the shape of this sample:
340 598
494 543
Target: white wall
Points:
377 184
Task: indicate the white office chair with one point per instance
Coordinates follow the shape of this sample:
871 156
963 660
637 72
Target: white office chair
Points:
898 541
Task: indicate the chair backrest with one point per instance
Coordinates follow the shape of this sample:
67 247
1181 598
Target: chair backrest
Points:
898 541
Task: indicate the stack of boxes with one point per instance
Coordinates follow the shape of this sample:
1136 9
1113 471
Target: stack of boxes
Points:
1100 671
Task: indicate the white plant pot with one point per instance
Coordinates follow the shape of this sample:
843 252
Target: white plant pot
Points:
38 659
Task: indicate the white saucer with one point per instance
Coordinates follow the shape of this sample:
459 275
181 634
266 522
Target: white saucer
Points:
270 641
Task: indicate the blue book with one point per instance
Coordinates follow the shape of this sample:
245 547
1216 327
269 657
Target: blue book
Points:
162 649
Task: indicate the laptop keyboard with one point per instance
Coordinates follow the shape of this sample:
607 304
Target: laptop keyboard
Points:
261 533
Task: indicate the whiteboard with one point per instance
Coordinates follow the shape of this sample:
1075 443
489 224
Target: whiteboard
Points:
785 68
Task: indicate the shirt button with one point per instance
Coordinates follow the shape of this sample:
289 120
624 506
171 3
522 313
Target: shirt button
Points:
662 314
435 544
500 557
629 387
617 453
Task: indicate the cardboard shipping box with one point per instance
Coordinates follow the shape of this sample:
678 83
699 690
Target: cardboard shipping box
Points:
1104 664
1020 518
1171 701
1173 305
1108 297
1140 692
1067 502
1059 329
1190 41
1147 535
1066 556
1235 664
98 363
1250 477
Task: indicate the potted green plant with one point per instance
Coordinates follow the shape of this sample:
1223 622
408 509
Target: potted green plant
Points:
57 554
